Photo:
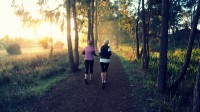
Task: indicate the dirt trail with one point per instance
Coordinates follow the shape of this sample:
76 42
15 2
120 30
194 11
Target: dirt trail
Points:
73 95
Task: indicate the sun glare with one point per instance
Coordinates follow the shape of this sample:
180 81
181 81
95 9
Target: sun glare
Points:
50 30
11 24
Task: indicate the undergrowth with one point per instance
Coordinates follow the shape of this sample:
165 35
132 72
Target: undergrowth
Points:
26 79
143 82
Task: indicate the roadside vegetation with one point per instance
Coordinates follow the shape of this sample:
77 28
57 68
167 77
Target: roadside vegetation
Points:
144 81
161 52
27 78
13 49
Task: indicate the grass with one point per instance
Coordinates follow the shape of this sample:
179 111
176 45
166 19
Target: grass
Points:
18 95
21 92
26 53
175 63
144 81
143 87
24 77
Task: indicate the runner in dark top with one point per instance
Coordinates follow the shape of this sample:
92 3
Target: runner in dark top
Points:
105 53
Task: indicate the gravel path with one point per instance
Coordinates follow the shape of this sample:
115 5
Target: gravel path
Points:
73 95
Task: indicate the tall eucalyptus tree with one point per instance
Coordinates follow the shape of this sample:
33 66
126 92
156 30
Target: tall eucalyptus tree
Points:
196 95
92 21
161 79
69 42
144 58
181 75
89 19
137 32
96 25
76 53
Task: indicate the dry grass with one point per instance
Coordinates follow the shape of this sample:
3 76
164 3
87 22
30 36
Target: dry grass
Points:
26 53
30 74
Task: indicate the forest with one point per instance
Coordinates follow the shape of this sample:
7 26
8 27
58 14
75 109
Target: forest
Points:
157 43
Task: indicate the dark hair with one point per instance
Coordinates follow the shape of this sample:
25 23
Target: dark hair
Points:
90 42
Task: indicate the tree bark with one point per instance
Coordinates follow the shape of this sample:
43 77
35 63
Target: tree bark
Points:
51 50
161 79
96 32
89 20
192 14
145 66
69 43
148 28
76 53
92 22
196 96
137 35
175 85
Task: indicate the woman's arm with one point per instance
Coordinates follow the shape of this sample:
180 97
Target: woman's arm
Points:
83 52
93 52
109 51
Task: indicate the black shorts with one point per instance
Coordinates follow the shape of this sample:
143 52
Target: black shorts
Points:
104 66
89 65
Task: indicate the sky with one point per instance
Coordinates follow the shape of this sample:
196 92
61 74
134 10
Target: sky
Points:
11 24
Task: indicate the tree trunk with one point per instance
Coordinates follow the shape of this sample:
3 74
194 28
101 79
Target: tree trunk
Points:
175 85
192 14
196 96
89 20
69 43
137 36
92 22
161 79
76 53
145 66
140 54
96 32
148 28
51 50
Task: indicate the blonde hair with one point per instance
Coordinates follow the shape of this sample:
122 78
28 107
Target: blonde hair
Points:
106 41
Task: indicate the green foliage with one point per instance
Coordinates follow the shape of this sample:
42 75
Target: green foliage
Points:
4 78
13 49
144 82
48 72
175 63
141 82
28 78
154 45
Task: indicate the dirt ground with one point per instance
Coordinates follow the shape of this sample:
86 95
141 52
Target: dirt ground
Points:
73 95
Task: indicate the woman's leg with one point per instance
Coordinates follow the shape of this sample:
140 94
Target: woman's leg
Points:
102 77
86 70
106 72
103 74
91 69
102 71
